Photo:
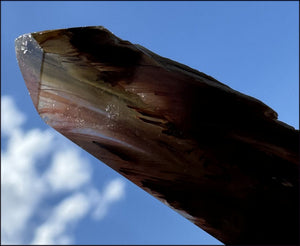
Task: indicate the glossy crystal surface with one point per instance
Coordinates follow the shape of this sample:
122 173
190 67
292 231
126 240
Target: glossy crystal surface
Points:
204 149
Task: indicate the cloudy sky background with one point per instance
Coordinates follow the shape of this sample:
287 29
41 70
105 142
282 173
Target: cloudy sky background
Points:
52 192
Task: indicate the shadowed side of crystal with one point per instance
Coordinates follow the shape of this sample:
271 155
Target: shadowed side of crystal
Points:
100 46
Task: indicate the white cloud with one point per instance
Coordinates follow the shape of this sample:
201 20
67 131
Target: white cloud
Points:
73 208
69 211
11 118
68 171
23 188
113 192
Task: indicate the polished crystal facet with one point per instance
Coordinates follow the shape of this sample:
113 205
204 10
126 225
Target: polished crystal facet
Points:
217 156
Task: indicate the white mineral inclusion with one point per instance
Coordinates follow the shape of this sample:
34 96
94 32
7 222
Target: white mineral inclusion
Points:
22 44
79 122
142 95
112 111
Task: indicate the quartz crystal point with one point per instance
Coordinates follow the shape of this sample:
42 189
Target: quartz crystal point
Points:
217 156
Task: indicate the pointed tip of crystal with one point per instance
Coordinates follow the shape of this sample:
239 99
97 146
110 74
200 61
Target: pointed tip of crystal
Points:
30 56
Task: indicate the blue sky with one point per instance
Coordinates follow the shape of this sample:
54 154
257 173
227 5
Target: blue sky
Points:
54 192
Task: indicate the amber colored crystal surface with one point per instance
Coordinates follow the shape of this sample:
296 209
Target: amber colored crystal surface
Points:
217 156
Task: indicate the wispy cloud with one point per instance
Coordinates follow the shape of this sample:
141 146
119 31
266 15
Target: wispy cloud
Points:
66 213
112 193
12 119
23 188
62 176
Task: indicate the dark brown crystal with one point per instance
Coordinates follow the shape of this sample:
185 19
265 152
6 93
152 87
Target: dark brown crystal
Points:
215 155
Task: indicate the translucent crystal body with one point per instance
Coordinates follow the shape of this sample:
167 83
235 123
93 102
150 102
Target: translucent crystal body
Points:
204 149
